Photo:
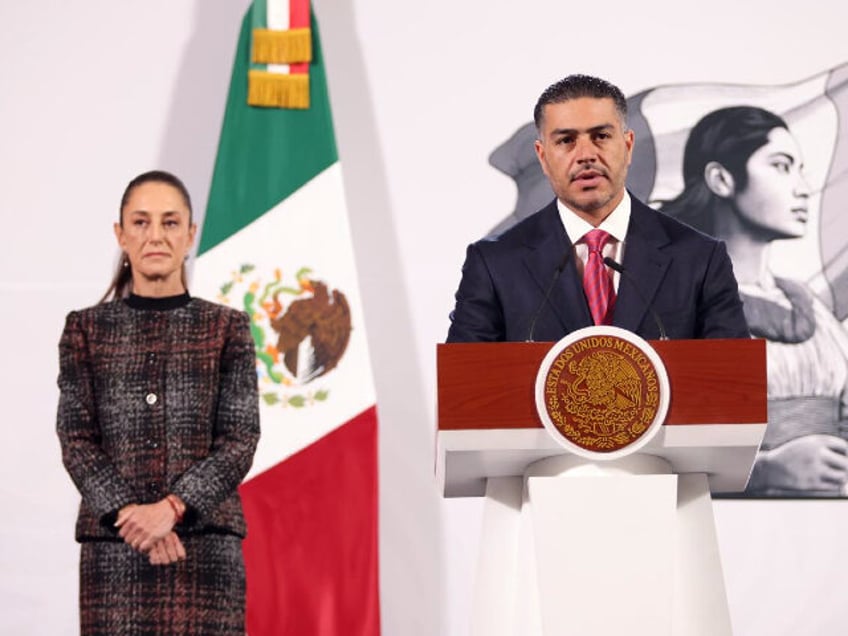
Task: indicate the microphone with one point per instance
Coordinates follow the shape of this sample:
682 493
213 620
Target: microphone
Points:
620 269
547 296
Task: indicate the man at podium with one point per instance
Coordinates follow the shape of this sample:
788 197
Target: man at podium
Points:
595 254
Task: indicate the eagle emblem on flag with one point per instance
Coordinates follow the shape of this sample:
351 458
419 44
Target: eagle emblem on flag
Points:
301 329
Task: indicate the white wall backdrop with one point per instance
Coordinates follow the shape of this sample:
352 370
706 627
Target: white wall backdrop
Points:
93 92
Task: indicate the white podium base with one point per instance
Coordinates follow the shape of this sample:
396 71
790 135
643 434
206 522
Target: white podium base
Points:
622 547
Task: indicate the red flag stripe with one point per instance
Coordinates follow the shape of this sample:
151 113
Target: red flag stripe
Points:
299 14
311 549
299 19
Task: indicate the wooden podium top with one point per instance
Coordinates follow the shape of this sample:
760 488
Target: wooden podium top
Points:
492 385
488 425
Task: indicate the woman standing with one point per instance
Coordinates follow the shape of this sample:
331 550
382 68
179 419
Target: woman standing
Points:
744 184
158 422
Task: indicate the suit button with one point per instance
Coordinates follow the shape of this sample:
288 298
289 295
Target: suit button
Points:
152 443
151 358
151 399
153 487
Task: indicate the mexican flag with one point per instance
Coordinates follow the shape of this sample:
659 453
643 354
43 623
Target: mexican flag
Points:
276 243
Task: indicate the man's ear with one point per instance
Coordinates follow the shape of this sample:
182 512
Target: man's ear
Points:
629 140
719 180
540 155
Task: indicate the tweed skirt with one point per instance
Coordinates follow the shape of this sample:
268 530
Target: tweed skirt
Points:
121 594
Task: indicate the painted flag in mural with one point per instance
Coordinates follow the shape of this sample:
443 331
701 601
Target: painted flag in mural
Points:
276 243
816 111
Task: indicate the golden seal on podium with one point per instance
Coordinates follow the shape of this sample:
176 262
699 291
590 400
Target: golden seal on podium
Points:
602 392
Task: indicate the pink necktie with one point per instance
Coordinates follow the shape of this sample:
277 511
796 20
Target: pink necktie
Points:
597 282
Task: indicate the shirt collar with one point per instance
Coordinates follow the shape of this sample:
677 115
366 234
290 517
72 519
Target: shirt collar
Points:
615 224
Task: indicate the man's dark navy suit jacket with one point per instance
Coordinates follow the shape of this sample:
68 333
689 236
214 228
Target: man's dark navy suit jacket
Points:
685 275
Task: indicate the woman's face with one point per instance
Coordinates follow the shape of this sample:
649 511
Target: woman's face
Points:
774 201
156 234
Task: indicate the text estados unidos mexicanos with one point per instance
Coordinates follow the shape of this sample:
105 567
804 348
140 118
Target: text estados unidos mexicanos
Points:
602 342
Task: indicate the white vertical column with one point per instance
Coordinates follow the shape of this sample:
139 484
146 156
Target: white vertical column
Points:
528 617
700 601
493 605
600 549
605 546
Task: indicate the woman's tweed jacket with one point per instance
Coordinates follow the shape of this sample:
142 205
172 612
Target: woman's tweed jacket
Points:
158 401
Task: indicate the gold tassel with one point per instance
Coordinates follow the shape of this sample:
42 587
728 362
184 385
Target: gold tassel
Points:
277 90
282 47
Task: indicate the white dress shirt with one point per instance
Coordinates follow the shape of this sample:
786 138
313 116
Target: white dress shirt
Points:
615 225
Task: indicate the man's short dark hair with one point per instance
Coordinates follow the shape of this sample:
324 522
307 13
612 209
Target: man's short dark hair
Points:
574 86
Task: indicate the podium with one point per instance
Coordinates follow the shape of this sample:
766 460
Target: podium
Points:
572 546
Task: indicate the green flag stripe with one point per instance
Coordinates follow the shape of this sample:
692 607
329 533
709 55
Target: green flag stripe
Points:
265 154
259 17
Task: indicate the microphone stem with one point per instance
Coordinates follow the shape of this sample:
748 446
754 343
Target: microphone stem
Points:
547 295
625 274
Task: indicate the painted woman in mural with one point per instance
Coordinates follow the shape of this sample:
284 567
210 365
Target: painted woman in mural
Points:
743 183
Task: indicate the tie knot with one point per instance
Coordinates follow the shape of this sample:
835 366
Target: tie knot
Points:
596 239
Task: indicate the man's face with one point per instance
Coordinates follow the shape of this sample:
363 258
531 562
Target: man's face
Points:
585 152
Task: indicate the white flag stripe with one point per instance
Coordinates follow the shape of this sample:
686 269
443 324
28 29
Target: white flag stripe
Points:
277 14
307 229
277 17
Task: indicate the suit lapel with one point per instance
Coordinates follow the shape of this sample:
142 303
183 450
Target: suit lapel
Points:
547 246
645 264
